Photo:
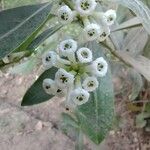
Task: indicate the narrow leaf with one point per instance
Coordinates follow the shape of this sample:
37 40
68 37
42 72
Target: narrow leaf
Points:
21 26
137 83
43 36
69 120
134 22
36 93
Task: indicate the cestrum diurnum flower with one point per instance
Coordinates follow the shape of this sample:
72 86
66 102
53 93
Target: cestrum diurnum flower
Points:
74 79
85 7
65 15
79 96
96 24
84 55
90 83
92 31
50 86
110 16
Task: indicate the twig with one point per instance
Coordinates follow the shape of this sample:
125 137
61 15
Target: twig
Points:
141 101
115 54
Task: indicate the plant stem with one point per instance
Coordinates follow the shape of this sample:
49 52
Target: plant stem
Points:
79 141
114 52
68 3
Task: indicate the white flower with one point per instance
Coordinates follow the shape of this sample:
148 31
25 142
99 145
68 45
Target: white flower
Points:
79 96
111 16
104 34
67 47
63 78
92 31
49 86
84 55
65 15
61 92
90 84
49 59
98 67
85 7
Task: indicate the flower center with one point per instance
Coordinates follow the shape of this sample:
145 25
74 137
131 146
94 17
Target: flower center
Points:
110 19
67 46
91 32
91 84
48 87
84 54
48 58
81 97
100 66
103 34
64 79
85 5
59 90
64 16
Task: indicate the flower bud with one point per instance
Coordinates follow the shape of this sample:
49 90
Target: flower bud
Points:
6 59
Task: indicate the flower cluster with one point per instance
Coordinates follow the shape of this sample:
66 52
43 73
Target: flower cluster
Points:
77 72
96 24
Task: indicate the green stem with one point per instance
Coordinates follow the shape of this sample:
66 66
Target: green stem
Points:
86 21
69 3
79 141
78 81
114 52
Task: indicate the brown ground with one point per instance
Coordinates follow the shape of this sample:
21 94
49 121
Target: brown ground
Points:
36 127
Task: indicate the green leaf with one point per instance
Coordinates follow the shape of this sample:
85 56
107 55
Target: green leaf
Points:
10 4
134 22
141 120
43 36
36 93
69 120
96 117
147 2
21 26
137 83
